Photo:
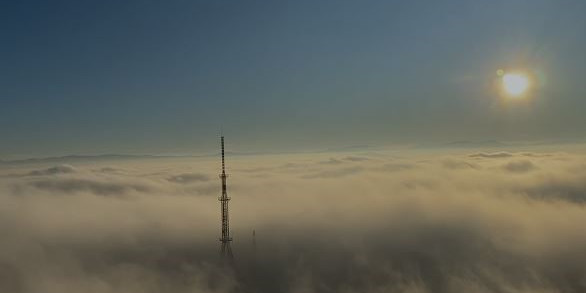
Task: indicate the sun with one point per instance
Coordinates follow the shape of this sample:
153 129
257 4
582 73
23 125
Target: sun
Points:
515 84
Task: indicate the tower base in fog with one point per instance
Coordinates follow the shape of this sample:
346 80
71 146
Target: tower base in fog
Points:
226 251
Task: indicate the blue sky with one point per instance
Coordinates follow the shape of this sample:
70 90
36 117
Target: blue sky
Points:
165 76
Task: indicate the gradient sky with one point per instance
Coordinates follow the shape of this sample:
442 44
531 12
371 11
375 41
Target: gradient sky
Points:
90 77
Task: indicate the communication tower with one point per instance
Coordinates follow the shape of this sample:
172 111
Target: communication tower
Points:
225 239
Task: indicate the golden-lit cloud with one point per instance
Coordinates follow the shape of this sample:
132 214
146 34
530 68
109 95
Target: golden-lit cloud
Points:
422 222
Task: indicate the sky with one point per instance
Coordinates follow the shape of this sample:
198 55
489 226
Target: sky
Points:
385 149
163 77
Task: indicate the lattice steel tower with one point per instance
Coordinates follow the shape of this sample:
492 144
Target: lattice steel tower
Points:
225 250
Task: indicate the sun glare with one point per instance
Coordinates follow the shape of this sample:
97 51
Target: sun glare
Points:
515 84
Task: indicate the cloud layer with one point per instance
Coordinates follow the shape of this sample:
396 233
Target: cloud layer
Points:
328 222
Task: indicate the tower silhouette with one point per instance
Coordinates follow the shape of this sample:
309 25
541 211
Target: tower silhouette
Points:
225 239
254 242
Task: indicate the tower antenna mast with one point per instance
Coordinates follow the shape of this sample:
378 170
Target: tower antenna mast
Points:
225 239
